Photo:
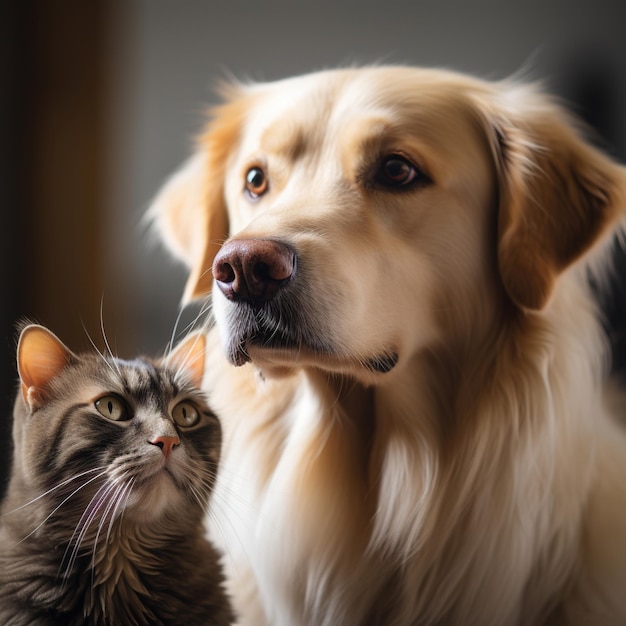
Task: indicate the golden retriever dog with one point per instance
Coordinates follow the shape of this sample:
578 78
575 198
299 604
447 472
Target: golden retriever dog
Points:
407 358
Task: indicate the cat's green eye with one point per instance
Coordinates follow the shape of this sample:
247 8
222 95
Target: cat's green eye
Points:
112 408
185 414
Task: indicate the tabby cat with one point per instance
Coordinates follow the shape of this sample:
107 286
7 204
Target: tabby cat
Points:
114 462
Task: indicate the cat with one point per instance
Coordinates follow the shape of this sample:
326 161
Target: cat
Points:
114 462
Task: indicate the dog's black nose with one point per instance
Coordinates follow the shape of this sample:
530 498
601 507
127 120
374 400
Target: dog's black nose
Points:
253 270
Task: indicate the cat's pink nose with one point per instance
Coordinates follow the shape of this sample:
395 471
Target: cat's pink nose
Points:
167 444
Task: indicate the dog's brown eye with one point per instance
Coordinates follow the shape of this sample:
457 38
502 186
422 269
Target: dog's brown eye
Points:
397 171
256 182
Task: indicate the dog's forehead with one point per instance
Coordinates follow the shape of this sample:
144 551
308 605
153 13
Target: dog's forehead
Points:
309 108
283 109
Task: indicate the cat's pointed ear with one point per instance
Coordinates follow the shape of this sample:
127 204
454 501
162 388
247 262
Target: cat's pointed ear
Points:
41 356
189 356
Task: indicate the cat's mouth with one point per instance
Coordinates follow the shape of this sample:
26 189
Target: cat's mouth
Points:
162 473
159 479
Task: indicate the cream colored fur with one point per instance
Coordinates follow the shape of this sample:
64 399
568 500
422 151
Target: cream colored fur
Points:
483 479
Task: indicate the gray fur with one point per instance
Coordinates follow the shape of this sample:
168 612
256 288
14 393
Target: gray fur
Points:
76 546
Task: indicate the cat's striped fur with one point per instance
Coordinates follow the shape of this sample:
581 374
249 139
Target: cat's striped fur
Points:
103 519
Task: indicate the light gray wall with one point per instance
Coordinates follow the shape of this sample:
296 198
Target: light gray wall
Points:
168 55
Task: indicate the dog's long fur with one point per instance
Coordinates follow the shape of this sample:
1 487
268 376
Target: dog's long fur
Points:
422 434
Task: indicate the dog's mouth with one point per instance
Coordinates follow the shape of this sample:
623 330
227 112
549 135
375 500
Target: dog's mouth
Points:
269 328
288 340
284 355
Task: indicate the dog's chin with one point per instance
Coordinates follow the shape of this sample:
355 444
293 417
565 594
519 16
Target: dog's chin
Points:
277 359
280 338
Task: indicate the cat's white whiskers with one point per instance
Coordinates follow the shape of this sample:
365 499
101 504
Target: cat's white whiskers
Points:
200 497
98 351
206 478
113 501
86 512
216 530
203 312
60 505
235 480
124 465
127 497
106 361
205 308
112 504
53 489
122 496
225 495
106 340
90 513
185 362
170 346
218 523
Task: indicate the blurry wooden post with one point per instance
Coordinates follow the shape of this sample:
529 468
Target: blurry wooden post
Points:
53 164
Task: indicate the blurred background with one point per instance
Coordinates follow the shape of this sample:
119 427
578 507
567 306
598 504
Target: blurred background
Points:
100 102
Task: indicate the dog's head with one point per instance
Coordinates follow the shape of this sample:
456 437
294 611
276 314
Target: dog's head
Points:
347 219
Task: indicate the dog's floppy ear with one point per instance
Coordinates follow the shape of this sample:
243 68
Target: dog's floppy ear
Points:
558 194
190 210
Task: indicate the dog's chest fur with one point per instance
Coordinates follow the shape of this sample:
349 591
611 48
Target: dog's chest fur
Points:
388 493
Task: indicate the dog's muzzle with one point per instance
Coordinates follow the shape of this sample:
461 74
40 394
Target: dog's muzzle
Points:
272 309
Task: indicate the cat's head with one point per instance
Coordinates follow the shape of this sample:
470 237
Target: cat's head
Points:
106 436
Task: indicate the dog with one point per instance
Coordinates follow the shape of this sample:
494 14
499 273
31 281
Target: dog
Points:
407 357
